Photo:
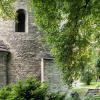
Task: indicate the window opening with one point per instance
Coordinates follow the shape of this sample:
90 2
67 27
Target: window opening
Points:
20 21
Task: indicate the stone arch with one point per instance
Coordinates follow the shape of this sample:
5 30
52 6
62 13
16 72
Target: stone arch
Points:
20 21
4 60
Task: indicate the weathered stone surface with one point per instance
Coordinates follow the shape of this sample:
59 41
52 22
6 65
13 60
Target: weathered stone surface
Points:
52 75
24 46
26 49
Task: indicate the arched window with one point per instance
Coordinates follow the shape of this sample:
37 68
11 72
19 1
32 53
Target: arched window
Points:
5 56
20 21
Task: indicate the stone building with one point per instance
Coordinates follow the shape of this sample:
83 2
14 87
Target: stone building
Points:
21 51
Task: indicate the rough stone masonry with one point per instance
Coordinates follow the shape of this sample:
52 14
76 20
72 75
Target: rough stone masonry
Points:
22 53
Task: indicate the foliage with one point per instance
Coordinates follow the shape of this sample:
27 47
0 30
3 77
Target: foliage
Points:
92 97
87 77
98 68
5 92
75 96
30 89
56 96
6 9
88 97
71 29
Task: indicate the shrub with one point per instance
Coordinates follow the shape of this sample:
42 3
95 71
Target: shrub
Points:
30 89
75 96
98 69
87 77
5 92
56 96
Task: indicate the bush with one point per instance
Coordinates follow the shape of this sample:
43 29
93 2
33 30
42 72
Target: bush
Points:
30 89
98 69
56 96
5 92
75 96
87 77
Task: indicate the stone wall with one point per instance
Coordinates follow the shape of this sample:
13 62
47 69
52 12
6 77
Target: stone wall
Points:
52 75
24 46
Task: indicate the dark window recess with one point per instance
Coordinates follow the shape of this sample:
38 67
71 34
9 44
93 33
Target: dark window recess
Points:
20 21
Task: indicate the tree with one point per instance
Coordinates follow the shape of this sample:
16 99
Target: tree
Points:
6 9
87 77
71 28
98 69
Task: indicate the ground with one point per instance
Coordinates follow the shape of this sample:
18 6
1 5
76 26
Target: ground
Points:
82 88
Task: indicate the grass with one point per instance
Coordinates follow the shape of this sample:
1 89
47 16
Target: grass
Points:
93 85
83 88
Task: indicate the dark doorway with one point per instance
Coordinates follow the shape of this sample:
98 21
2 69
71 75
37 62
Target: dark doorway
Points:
20 21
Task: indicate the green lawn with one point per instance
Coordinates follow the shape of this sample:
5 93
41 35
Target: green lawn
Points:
83 88
93 85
